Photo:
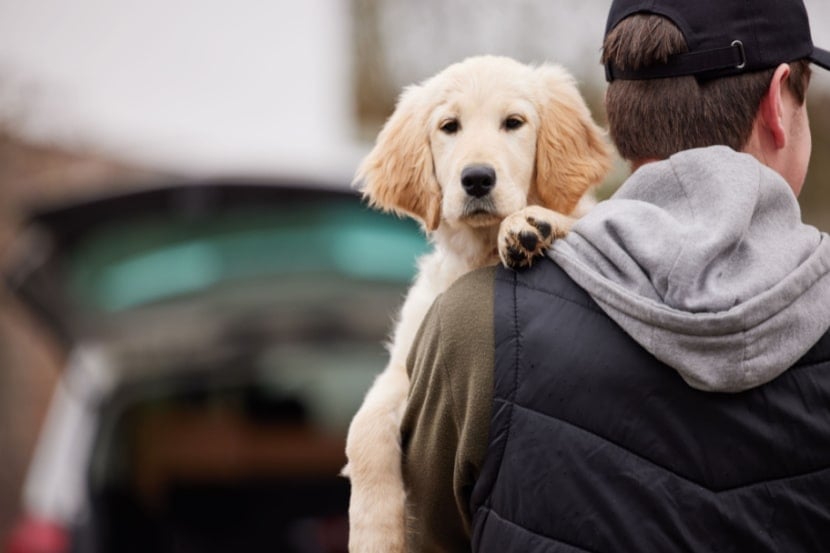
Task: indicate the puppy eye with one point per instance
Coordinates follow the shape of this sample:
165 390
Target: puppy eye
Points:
513 123
451 126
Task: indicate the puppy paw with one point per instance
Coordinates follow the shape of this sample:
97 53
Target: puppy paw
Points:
526 234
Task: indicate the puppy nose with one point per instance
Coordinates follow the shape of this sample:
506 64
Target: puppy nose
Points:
478 180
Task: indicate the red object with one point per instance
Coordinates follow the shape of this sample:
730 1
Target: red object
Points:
32 535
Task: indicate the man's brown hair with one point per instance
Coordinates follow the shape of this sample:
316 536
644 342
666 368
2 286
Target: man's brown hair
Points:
653 119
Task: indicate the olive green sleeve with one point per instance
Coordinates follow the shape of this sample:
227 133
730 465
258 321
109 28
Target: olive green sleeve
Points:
445 427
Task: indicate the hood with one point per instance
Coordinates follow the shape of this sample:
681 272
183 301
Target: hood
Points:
704 261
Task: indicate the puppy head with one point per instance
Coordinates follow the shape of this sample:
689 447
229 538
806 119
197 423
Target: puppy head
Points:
571 153
483 139
459 147
398 173
479 140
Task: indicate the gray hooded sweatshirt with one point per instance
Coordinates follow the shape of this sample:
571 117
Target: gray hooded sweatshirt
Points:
704 261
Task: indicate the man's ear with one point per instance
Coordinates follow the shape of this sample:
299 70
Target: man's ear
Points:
771 111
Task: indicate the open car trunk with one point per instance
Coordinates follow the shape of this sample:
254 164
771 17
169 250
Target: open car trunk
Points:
240 324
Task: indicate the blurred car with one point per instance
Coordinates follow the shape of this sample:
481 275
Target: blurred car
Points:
221 336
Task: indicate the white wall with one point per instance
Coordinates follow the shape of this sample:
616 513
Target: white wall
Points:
204 85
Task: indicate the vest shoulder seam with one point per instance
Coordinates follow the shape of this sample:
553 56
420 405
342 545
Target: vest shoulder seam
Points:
585 304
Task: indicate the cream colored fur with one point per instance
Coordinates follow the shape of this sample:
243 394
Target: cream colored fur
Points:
543 166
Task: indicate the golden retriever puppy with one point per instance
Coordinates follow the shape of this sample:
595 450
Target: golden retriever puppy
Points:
486 142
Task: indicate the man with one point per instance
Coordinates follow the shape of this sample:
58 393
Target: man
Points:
662 381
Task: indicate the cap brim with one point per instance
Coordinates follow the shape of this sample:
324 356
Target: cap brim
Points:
821 58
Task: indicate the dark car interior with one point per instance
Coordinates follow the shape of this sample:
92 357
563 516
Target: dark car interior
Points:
219 470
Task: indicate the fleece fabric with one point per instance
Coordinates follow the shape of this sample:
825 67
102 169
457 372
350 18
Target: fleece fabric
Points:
704 261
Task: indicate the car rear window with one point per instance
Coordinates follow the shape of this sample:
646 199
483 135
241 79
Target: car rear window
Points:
141 261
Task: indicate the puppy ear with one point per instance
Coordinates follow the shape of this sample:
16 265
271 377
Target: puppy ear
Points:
571 152
398 173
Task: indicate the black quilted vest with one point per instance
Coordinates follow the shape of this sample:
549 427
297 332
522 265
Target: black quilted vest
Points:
597 446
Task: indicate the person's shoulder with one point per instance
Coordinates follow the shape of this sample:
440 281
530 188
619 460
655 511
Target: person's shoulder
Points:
458 325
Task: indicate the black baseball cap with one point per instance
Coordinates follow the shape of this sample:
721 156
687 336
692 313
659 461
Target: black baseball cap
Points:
725 37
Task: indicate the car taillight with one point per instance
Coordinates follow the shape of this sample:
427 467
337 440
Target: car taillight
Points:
32 535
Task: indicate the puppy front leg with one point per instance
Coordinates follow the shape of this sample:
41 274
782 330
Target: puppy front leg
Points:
527 233
376 505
